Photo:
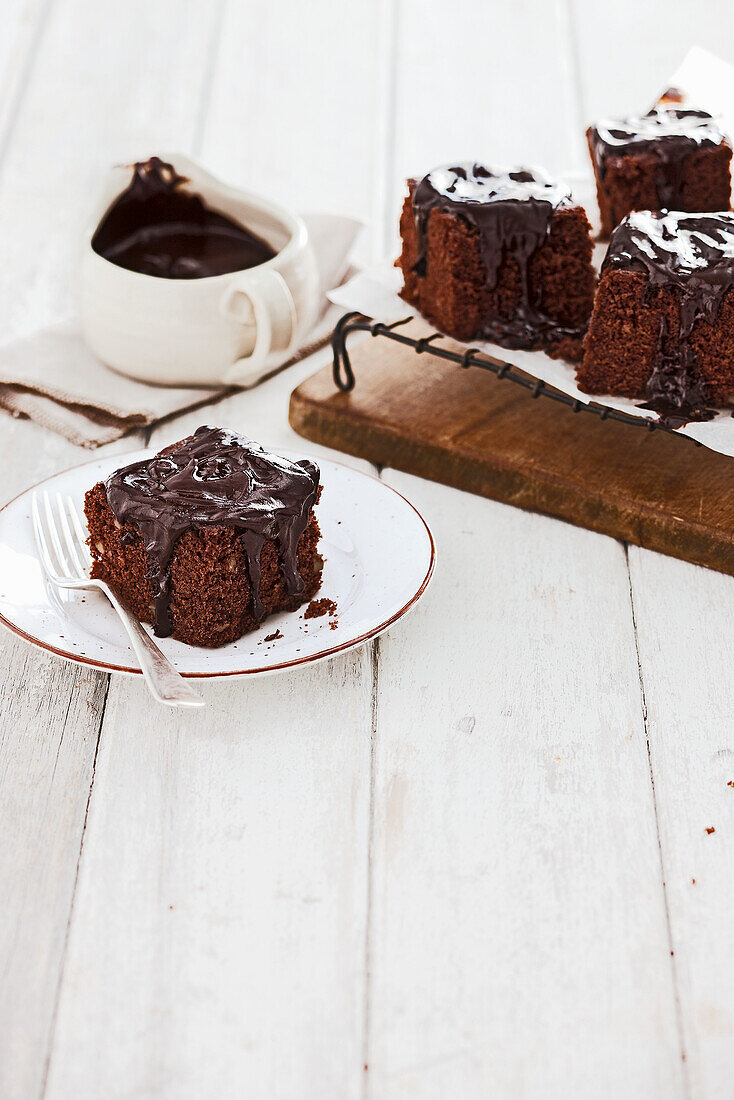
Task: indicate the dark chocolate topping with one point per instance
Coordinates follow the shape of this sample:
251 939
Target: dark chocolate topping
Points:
512 213
693 254
668 134
157 228
215 478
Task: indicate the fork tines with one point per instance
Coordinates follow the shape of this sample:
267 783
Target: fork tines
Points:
60 538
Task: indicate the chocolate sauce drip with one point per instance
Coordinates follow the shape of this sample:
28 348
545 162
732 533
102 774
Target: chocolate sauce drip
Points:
156 228
669 134
512 213
215 478
693 255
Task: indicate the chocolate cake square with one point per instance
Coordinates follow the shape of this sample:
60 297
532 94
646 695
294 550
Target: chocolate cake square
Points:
662 329
672 158
503 256
208 537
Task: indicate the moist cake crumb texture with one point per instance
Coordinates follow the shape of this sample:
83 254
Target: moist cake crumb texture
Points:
208 537
662 329
317 608
502 256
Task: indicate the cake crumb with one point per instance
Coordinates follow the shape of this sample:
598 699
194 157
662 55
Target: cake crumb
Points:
570 348
274 636
710 829
317 608
672 95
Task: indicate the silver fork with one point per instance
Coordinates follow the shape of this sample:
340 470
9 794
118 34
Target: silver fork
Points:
65 557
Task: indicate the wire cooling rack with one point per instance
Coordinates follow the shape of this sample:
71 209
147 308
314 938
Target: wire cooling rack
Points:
357 322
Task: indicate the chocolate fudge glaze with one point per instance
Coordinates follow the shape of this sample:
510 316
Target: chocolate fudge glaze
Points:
156 228
693 254
215 478
668 134
512 213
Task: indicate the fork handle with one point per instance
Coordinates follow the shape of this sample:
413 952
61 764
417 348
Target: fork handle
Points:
166 684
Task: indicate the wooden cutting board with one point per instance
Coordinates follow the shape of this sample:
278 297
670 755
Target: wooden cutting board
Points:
471 430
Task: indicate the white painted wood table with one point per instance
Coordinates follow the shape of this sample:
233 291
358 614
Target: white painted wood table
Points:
470 860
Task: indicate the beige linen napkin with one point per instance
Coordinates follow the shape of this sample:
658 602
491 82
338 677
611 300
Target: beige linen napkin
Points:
52 377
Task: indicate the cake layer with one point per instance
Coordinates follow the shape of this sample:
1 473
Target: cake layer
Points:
672 158
208 537
663 322
504 256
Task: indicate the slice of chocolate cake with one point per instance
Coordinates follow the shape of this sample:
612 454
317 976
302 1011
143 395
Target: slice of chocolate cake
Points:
662 329
504 256
208 537
672 158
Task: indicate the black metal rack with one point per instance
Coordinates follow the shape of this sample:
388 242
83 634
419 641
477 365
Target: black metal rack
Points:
357 322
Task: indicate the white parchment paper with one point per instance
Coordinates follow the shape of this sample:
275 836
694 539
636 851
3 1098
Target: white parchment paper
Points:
707 82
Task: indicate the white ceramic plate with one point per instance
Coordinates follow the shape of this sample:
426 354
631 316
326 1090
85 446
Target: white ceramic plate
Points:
379 556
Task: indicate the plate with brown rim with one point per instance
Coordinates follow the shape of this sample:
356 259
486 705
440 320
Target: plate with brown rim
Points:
379 557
